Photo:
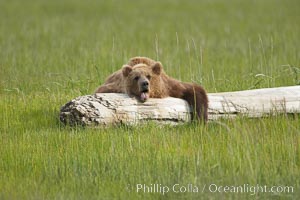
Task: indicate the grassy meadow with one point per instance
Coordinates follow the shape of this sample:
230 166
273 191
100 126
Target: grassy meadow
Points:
54 51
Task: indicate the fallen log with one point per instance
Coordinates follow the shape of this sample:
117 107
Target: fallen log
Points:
112 108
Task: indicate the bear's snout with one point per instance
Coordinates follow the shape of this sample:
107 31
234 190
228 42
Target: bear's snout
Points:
145 86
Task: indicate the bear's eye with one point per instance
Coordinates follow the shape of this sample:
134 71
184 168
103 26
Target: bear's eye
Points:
148 77
136 78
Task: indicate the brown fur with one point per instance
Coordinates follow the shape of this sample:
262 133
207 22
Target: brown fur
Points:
141 60
160 85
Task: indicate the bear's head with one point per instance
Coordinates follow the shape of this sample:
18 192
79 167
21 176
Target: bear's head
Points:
139 78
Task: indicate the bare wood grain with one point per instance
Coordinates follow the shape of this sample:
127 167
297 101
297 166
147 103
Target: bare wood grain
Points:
112 108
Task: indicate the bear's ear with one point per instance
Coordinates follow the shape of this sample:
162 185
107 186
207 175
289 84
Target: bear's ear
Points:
157 68
126 70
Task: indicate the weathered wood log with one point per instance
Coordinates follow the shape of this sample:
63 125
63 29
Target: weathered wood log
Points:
112 108
255 103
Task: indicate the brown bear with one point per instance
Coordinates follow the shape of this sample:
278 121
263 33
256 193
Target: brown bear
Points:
144 78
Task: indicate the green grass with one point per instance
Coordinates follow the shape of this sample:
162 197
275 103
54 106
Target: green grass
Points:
53 51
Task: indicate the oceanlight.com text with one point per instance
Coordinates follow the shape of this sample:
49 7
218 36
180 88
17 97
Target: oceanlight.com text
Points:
251 189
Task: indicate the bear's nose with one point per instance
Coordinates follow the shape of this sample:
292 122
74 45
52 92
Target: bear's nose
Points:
145 84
